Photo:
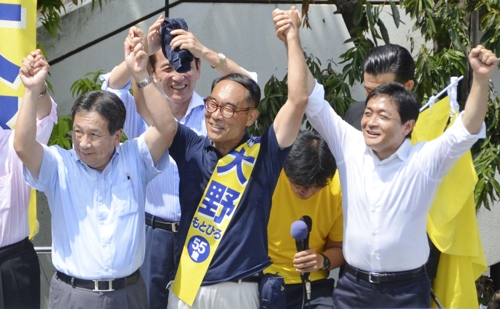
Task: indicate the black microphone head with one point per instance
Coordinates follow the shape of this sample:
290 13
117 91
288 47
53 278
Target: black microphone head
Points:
308 222
299 230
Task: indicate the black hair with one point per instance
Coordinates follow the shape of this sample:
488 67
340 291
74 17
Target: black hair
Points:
253 95
390 58
406 101
106 104
310 162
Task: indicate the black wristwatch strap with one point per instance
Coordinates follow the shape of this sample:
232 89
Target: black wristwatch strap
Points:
326 263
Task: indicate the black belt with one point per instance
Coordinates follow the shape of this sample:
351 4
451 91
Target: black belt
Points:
157 223
374 277
14 248
100 285
251 279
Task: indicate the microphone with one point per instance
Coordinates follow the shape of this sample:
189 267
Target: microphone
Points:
300 232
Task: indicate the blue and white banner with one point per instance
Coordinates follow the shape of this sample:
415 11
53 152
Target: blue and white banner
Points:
18 33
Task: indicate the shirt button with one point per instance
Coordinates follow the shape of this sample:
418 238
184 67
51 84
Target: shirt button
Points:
106 268
374 254
373 209
374 233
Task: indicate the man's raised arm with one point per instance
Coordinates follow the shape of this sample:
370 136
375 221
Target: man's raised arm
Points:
289 118
186 40
483 63
35 105
160 135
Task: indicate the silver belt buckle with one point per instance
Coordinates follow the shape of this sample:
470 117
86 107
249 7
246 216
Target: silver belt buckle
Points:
96 286
370 274
174 227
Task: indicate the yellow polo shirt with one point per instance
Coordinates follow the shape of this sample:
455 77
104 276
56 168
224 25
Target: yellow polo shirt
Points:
325 210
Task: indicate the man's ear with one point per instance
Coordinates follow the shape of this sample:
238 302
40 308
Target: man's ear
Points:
117 137
408 127
198 68
409 85
155 78
252 116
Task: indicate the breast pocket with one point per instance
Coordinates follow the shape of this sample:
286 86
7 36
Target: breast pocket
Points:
5 192
123 199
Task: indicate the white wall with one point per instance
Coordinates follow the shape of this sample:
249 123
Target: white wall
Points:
243 32
489 228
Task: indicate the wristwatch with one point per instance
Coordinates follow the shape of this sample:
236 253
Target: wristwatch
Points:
222 59
145 82
326 263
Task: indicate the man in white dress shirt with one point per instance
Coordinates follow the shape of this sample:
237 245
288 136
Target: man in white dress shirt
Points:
388 187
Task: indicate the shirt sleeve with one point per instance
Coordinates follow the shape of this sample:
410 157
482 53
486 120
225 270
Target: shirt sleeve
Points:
340 136
134 124
45 125
48 170
184 140
438 156
276 154
253 75
337 231
151 170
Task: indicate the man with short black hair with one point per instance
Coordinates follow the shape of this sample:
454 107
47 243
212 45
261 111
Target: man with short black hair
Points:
226 185
382 64
96 191
162 193
388 186
308 186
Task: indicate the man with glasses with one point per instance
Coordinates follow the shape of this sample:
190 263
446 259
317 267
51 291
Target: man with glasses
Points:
162 196
226 185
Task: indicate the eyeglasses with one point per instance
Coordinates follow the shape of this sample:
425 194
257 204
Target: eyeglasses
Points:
226 110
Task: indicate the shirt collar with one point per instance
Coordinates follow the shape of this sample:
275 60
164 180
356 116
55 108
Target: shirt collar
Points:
77 158
196 100
402 153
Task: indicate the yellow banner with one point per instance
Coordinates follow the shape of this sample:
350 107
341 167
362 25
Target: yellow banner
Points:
215 210
17 39
451 222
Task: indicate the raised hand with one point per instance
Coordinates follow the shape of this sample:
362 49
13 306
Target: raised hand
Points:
136 56
185 40
154 41
284 21
34 70
482 61
281 23
295 17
